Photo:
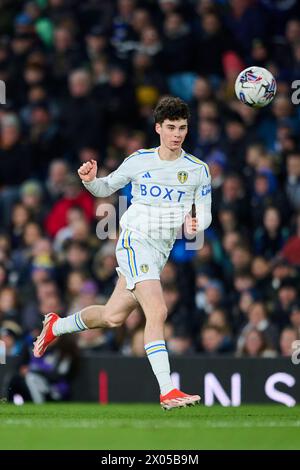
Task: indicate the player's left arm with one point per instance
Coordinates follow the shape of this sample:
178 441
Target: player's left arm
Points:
103 187
201 218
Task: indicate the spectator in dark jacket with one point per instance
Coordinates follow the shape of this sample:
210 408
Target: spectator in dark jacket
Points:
15 164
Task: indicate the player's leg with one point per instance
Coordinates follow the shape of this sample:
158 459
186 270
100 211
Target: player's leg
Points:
150 296
110 315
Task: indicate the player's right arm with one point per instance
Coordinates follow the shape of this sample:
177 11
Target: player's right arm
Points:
103 187
201 217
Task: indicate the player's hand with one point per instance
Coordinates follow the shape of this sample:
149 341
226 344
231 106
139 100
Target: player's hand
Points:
191 224
88 171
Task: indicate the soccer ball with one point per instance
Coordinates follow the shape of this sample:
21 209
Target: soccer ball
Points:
255 86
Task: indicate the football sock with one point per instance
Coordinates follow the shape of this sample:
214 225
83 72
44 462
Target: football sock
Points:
71 324
159 359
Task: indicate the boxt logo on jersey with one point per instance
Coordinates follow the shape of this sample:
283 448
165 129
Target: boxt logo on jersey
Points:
168 194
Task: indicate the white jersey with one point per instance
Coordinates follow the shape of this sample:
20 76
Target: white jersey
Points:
163 193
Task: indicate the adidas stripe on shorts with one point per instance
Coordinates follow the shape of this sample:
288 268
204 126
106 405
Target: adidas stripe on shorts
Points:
138 260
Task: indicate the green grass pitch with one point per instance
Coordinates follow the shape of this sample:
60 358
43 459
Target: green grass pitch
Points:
137 426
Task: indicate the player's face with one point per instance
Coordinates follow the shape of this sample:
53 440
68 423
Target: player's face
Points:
172 133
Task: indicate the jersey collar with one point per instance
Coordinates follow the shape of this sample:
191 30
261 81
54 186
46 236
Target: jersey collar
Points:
168 162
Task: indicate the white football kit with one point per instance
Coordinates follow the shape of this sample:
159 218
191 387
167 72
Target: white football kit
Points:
163 193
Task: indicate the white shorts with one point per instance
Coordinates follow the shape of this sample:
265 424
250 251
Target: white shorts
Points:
138 260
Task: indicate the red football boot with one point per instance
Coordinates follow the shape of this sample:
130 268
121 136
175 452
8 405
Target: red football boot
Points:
46 337
177 399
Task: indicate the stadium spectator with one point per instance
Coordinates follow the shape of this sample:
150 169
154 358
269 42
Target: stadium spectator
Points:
213 340
104 268
293 180
286 297
81 83
3 275
258 320
255 345
76 256
19 218
9 309
295 317
137 343
291 250
219 319
216 38
45 137
271 236
236 142
15 164
180 343
288 336
233 198
30 313
177 56
55 183
11 334
261 270
73 195
47 378
95 341
81 119
265 194
124 338
31 196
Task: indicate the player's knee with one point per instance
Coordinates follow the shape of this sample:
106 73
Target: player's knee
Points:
159 315
112 321
163 313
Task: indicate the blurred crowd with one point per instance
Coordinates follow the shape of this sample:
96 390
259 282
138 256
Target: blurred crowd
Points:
82 79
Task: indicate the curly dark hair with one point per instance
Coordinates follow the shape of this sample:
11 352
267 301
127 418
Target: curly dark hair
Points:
170 107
